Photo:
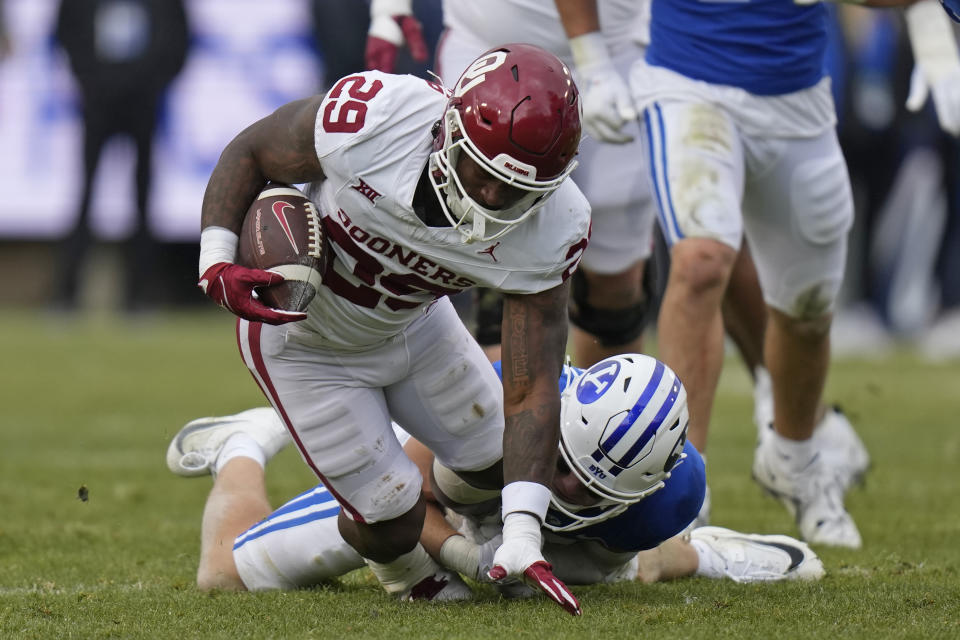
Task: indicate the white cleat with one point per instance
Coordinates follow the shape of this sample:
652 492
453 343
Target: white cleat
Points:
841 448
813 496
442 586
834 437
747 557
194 450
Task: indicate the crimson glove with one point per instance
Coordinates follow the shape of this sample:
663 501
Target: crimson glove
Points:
231 286
520 555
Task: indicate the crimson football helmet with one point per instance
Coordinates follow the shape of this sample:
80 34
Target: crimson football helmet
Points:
623 426
515 111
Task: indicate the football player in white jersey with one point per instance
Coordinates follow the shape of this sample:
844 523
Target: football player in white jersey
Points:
423 193
740 128
620 524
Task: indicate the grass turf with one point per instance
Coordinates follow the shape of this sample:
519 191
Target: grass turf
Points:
94 403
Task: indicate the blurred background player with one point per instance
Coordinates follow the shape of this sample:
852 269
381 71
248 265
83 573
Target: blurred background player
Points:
424 194
124 54
595 539
900 141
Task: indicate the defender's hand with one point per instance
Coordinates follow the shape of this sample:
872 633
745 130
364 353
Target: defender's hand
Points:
391 25
231 286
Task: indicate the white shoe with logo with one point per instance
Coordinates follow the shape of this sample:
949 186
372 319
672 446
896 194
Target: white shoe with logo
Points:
813 495
841 448
834 437
747 557
194 450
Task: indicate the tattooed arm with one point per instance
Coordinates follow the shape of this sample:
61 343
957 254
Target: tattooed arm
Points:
279 147
534 341
534 338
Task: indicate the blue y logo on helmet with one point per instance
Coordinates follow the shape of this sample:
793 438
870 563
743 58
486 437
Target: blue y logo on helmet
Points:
597 380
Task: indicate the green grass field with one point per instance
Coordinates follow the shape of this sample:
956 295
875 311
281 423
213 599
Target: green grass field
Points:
94 404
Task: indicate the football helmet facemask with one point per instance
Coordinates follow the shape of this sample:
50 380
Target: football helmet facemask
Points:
515 111
623 426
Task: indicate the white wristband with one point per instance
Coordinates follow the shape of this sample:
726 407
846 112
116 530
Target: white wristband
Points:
528 497
391 8
932 40
385 28
589 50
217 244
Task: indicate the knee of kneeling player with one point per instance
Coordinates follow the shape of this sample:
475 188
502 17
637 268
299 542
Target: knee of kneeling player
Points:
612 327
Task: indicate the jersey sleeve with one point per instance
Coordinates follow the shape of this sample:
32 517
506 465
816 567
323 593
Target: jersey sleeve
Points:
562 232
362 111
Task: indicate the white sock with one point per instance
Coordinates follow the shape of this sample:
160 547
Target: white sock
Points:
237 445
796 453
404 572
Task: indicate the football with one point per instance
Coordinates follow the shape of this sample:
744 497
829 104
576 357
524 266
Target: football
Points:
282 232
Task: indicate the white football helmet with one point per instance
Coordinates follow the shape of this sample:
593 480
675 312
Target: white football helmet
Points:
623 426
515 111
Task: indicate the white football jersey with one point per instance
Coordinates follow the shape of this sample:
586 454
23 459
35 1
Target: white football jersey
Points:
622 22
373 138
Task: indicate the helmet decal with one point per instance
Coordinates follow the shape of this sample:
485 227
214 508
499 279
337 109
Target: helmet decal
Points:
597 380
477 72
624 453
632 455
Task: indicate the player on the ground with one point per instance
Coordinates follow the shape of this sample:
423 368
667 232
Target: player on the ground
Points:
740 126
630 409
424 193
